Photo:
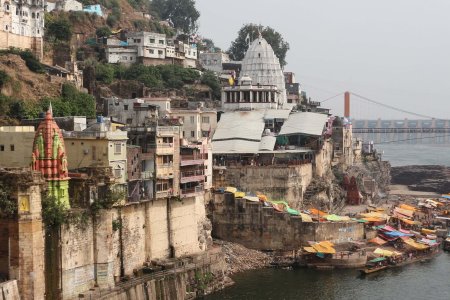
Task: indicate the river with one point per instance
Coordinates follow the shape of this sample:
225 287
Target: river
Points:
429 280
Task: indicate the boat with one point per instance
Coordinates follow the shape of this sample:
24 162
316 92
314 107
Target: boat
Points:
375 265
447 244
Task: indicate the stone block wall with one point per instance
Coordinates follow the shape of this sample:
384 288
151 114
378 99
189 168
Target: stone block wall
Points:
258 227
9 290
34 44
104 248
277 182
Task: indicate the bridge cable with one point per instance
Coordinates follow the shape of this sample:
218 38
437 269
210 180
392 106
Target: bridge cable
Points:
340 94
394 108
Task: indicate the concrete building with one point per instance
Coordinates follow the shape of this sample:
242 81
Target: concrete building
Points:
213 61
123 55
22 25
15 145
94 9
98 146
197 124
68 5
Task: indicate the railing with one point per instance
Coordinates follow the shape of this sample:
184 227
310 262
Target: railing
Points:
194 190
146 175
191 157
193 173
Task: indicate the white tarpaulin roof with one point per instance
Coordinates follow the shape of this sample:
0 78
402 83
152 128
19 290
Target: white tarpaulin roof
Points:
267 143
307 123
277 114
243 125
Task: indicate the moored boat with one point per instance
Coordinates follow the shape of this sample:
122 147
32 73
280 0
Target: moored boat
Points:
375 265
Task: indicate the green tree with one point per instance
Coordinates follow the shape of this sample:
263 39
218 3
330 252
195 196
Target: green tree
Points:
104 31
240 45
4 78
60 29
182 13
210 79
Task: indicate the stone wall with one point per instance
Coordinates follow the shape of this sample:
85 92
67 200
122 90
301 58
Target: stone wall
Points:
9 290
119 241
280 182
34 44
258 227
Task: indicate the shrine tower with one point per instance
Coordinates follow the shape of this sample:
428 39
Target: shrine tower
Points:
49 158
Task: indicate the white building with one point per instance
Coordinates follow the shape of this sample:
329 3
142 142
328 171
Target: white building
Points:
213 60
68 5
124 55
197 124
22 25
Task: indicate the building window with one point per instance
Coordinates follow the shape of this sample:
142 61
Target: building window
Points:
33 15
152 41
166 159
124 58
160 52
117 148
167 140
117 173
192 118
131 58
37 15
11 147
205 133
162 186
125 107
151 51
161 42
2 148
192 133
205 120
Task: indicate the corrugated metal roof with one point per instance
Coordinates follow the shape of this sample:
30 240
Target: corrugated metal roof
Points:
307 123
267 143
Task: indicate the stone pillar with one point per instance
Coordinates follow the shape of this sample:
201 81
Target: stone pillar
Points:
25 233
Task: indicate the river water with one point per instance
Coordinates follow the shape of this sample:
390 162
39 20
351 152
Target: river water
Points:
428 280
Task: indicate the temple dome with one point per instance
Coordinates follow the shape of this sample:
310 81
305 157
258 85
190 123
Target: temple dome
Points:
263 66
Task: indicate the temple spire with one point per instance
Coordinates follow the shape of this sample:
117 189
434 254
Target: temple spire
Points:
50 109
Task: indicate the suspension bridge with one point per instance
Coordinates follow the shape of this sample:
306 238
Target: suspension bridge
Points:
414 128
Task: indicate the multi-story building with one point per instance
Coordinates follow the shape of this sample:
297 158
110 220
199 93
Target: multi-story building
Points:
15 145
213 61
98 146
22 25
197 124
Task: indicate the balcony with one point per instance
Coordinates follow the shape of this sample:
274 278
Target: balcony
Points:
192 191
163 194
146 175
187 160
193 176
167 130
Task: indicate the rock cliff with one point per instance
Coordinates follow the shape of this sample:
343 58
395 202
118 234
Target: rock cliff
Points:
427 178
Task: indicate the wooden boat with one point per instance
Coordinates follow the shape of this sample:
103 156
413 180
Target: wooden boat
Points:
375 265
447 244
372 270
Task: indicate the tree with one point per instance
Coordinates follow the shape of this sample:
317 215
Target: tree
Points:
60 29
240 45
182 13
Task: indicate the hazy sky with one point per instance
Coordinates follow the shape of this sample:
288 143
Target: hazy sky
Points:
392 51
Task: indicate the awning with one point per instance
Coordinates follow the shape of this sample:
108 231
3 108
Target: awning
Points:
371 219
407 207
378 259
415 245
428 231
310 249
400 212
324 247
252 198
385 252
377 240
336 218
231 189
315 212
375 214
306 218
239 194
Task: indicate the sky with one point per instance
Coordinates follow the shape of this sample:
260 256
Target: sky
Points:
392 51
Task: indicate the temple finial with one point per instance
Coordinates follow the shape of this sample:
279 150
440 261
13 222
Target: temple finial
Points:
50 109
